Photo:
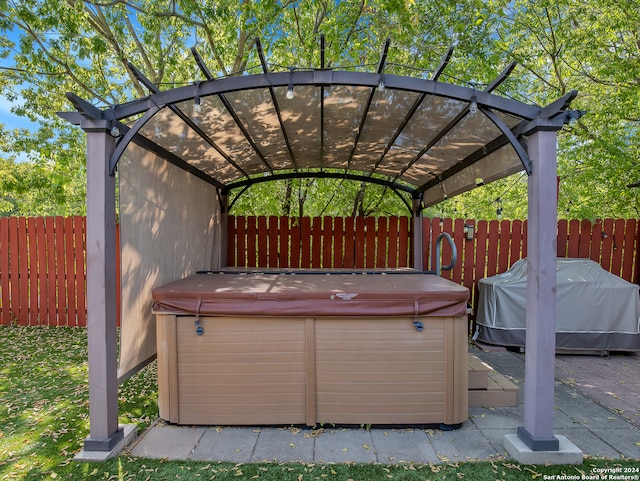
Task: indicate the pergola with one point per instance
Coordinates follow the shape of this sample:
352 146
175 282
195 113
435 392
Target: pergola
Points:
422 138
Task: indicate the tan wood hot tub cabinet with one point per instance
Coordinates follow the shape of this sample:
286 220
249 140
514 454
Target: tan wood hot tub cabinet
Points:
312 348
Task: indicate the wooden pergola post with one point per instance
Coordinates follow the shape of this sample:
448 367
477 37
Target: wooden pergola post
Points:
535 442
106 437
537 432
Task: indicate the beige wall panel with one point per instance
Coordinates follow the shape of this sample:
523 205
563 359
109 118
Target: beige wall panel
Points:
457 370
404 384
242 371
169 228
167 367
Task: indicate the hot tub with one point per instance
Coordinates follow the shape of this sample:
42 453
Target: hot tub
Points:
312 348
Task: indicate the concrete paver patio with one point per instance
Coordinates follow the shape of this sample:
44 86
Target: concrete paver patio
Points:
597 401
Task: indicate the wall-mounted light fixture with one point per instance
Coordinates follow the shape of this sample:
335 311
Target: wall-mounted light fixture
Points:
468 231
115 131
381 85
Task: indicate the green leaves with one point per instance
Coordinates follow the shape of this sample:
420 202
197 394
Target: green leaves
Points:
50 47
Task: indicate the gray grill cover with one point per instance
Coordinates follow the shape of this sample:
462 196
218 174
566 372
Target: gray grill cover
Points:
595 309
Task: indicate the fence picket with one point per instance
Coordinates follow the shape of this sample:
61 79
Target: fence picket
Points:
69 250
5 297
338 242
80 242
492 254
585 239
295 243
392 251
445 249
305 240
17 292
34 315
469 259
561 248
607 244
574 238
327 244
359 243
618 244
628 249
382 242
273 241
349 243
404 247
316 242
43 275
458 239
262 241
516 249
61 292
284 236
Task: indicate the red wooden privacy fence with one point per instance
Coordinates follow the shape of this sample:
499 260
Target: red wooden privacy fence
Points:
42 271
42 260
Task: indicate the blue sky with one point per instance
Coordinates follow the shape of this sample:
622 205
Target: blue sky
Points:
10 120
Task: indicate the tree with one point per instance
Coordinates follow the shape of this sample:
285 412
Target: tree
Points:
54 46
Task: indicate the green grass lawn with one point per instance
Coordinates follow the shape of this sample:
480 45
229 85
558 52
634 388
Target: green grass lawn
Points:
44 419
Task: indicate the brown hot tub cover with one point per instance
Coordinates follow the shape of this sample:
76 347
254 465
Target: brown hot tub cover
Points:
312 295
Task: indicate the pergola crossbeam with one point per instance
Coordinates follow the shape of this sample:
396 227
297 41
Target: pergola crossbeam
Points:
365 113
153 88
399 130
500 78
228 106
263 60
201 65
383 56
276 106
443 64
170 157
436 139
187 120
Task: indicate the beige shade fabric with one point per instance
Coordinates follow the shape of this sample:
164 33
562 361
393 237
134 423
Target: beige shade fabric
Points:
169 228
